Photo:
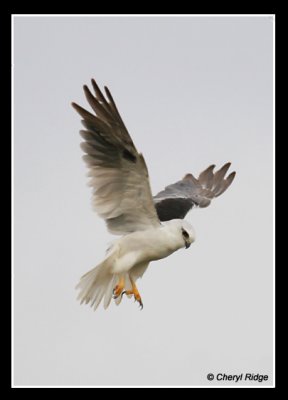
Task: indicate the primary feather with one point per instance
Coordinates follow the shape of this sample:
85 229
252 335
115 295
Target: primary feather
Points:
177 199
119 176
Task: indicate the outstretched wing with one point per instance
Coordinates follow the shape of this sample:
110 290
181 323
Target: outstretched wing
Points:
177 199
119 176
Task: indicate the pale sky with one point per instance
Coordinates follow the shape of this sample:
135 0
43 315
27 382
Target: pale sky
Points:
192 92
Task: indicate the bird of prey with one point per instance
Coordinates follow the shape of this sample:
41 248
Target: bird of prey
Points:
151 228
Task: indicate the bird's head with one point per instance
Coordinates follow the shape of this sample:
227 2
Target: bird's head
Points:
182 231
188 233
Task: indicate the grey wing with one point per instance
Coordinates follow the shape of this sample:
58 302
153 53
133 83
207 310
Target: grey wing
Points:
119 176
177 199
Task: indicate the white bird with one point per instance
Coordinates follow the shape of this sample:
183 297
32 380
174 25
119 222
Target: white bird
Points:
150 229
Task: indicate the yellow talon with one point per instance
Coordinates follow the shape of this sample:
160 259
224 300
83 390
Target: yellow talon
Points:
135 293
117 291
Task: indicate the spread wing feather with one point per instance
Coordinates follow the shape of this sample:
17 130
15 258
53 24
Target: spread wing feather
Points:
118 173
119 176
177 199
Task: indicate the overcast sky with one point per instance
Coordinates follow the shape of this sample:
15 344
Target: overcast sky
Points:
192 91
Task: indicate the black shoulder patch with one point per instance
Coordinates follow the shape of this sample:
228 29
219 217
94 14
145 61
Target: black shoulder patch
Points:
168 209
129 156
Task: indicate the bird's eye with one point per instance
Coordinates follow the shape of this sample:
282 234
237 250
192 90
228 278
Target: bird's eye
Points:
185 234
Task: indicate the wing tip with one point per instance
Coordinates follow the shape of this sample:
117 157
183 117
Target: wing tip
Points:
224 167
107 92
231 176
95 86
75 106
188 176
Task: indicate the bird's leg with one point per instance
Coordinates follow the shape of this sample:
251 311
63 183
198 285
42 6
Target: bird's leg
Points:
118 289
135 292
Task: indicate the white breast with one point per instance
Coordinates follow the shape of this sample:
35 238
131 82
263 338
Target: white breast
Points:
145 246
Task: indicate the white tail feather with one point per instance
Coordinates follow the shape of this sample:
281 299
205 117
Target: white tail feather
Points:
99 282
109 290
96 284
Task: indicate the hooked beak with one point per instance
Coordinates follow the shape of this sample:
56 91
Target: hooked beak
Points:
187 244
